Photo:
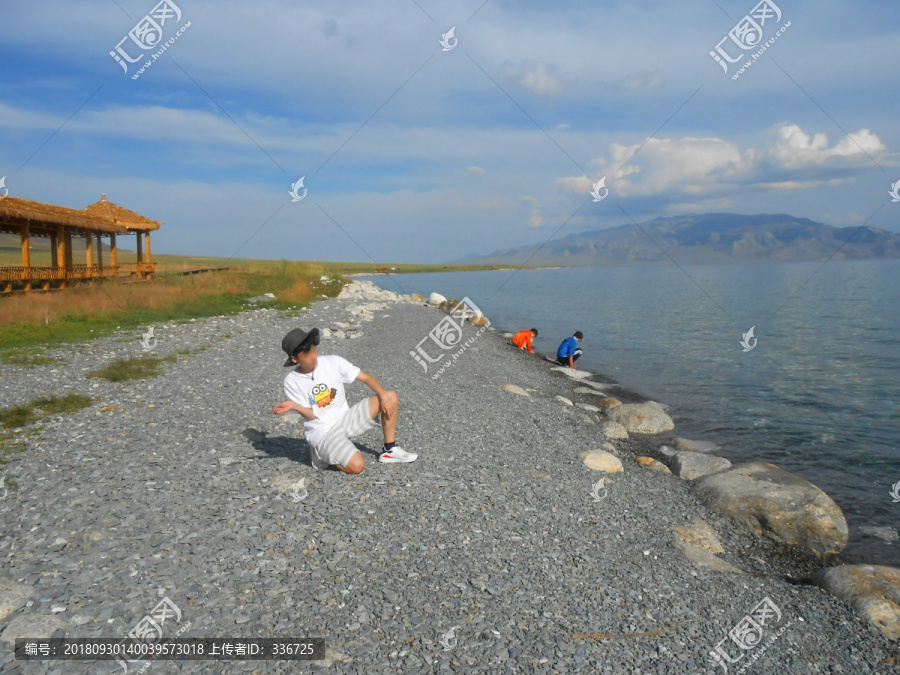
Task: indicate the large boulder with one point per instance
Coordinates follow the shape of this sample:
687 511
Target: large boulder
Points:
872 591
778 504
436 299
641 418
693 465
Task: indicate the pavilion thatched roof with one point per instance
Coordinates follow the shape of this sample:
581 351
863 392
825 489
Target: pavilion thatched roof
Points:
40 217
119 215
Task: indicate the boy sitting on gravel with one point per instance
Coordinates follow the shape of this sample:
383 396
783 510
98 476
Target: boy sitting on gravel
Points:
315 389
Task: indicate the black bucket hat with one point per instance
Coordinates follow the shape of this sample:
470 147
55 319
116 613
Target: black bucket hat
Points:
298 340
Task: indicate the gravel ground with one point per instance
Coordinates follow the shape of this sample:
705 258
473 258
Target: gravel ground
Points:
182 490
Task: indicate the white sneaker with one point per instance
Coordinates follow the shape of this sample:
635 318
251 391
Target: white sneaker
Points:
396 455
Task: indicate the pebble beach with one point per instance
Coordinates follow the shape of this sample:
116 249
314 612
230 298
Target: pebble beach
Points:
498 551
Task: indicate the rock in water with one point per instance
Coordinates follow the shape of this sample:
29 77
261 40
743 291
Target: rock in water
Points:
602 461
641 418
696 446
693 465
776 503
436 299
873 591
886 533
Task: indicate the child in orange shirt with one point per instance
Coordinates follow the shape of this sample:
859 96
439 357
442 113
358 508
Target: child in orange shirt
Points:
523 339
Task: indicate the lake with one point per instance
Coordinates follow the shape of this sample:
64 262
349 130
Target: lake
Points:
817 394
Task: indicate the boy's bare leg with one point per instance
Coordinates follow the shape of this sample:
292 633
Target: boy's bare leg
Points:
388 424
355 465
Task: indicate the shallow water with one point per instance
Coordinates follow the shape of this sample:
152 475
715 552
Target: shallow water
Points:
817 395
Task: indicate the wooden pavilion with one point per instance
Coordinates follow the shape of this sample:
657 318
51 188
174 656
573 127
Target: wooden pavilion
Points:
31 219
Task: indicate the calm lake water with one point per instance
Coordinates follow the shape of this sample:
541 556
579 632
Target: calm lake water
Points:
818 395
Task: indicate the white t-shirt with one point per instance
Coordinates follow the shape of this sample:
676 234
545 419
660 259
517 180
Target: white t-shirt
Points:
323 391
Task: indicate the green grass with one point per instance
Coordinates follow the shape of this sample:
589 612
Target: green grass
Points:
22 415
28 358
133 369
84 314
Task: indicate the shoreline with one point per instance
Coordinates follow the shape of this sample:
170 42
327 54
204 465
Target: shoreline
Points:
182 484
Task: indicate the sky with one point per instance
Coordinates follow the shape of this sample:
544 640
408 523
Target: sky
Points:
418 145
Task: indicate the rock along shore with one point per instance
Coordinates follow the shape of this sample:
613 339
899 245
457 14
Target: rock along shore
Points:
499 551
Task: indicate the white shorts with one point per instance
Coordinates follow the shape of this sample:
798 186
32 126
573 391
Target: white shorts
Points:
335 446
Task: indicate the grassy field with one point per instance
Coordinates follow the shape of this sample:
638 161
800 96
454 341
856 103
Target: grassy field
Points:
32 322
11 255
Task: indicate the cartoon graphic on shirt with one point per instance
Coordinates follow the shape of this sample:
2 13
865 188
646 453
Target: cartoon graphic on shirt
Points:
322 396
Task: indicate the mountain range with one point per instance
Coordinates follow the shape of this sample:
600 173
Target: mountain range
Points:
708 238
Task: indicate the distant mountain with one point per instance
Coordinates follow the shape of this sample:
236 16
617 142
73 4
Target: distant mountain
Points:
705 239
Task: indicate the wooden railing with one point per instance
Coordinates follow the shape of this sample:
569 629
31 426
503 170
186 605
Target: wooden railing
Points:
137 268
73 272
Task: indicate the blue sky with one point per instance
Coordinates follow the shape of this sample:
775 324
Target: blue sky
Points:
415 154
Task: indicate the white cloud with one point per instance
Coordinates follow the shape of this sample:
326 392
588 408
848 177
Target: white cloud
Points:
802 184
575 183
536 219
688 165
477 170
538 78
650 80
794 148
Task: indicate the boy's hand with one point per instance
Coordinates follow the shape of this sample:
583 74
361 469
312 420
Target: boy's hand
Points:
283 407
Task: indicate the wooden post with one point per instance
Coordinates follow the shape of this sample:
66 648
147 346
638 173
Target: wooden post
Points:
112 256
61 256
89 254
140 258
100 253
54 240
68 247
147 245
26 257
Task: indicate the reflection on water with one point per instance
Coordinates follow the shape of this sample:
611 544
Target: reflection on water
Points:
818 395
